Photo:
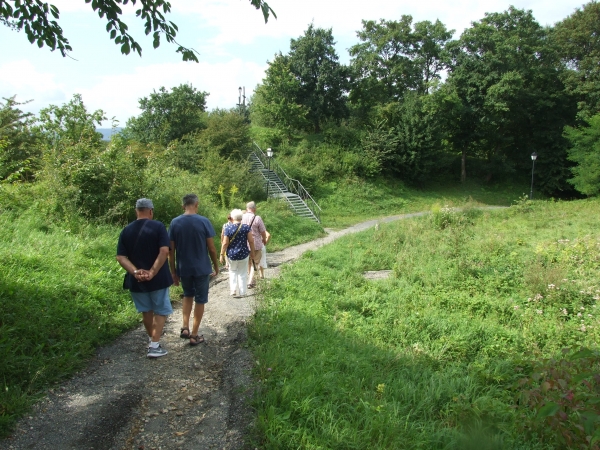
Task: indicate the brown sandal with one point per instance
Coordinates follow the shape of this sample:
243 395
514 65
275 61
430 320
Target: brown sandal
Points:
183 335
195 340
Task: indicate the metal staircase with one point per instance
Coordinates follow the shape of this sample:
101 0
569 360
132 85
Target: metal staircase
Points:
278 184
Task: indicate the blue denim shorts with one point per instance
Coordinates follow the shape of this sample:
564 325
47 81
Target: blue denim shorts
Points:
157 301
196 286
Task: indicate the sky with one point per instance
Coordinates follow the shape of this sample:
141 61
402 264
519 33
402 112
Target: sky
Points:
233 42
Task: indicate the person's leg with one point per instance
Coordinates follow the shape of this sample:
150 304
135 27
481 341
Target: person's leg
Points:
201 284
250 274
148 317
161 306
186 307
157 328
243 280
233 268
263 262
143 304
251 264
198 313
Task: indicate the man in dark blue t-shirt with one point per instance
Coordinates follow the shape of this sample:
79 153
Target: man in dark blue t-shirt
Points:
191 244
142 251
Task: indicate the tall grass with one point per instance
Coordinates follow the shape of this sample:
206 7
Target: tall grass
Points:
60 297
346 201
61 290
428 359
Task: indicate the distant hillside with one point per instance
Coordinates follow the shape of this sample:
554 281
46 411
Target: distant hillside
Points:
108 132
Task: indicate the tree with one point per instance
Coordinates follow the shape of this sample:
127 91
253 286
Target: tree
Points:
167 116
393 59
305 88
36 18
276 101
218 154
19 142
578 42
71 124
322 80
429 53
505 77
405 138
585 151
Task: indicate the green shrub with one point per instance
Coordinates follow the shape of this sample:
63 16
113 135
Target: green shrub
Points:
558 400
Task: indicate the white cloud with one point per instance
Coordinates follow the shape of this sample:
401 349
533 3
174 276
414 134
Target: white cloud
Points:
237 21
118 95
21 78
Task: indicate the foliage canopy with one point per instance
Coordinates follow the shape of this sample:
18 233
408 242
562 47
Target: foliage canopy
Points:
167 116
40 21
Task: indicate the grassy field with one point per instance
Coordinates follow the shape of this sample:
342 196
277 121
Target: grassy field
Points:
454 351
61 296
349 201
60 290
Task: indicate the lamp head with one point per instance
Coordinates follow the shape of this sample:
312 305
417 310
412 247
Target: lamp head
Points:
269 152
533 156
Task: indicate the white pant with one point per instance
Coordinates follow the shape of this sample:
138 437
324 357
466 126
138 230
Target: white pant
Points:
238 275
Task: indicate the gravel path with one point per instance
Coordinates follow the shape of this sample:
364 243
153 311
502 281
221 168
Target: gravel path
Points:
193 398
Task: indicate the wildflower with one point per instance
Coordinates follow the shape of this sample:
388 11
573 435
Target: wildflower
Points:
578 314
516 307
539 311
551 286
583 328
269 369
582 308
564 311
589 315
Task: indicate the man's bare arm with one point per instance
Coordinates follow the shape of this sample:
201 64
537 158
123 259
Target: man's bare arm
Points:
212 251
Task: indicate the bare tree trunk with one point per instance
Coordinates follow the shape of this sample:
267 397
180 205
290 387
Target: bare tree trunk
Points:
463 166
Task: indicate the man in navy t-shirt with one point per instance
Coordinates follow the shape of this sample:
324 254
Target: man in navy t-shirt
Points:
191 244
142 251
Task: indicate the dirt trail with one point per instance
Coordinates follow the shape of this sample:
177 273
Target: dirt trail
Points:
193 398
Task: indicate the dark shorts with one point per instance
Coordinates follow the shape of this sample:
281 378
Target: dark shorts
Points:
196 287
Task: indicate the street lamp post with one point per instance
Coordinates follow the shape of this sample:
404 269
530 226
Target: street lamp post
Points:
242 99
533 158
269 156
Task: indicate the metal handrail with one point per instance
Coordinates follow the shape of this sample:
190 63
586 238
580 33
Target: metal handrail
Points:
292 184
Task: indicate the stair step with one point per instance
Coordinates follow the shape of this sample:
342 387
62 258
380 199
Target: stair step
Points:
278 189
